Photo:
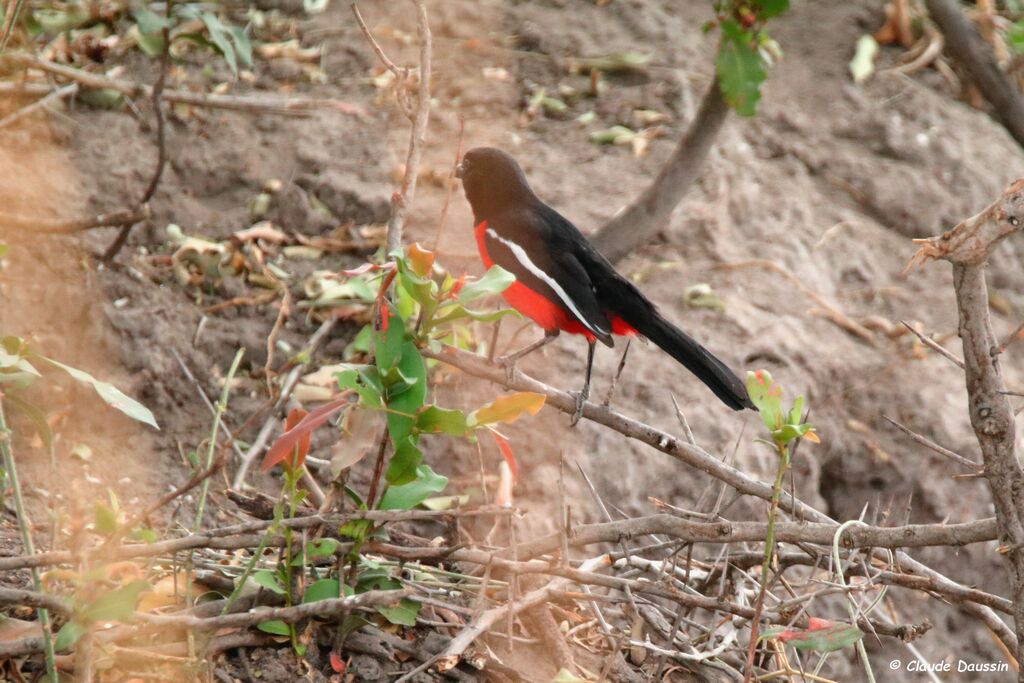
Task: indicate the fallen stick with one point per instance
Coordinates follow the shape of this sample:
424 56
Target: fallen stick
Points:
452 654
65 226
58 94
829 311
290 106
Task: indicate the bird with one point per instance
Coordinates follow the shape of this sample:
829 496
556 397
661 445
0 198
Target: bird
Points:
563 284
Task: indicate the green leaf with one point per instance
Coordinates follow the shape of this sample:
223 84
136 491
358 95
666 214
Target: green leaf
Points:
495 281
15 370
407 404
324 589
117 605
68 635
767 396
1015 35
356 529
110 394
35 415
834 636
243 48
221 39
445 502
3 249
412 494
150 22
402 614
324 547
269 580
457 312
365 381
766 9
102 98
796 413
402 468
388 341
275 627
55 21
151 44
434 420
104 519
739 69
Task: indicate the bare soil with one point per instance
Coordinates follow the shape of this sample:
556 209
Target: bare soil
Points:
829 181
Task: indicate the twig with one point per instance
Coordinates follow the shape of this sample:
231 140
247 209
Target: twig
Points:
934 345
638 222
15 596
453 653
11 13
161 137
967 247
830 312
450 185
64 226
56 95
211 449
237 536
25 529
401 200
257 615
924 441
289 106
256 449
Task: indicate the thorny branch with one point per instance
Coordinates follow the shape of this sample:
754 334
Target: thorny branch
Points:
420 117
967 247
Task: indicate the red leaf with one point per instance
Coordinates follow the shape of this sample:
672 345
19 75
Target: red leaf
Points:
506 452
816 624
337 663
301 431
460 282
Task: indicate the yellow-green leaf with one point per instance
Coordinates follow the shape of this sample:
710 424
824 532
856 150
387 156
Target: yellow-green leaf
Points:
507 408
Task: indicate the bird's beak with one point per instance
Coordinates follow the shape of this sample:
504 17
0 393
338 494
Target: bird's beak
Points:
458 171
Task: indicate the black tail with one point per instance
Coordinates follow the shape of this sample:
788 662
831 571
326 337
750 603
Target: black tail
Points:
698 360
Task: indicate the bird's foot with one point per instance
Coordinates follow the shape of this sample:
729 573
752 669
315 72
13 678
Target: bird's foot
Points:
507 363
581 400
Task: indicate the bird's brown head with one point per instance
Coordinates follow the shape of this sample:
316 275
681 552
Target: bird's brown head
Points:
493 181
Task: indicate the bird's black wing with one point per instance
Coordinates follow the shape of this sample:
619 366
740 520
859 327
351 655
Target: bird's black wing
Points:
621 298
521 240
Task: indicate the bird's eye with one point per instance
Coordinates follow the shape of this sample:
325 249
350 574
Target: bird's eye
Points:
1014 221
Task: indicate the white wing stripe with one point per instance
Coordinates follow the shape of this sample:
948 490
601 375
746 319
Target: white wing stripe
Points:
525 261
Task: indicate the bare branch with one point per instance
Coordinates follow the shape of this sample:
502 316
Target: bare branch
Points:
970 49
649 213
42 103
967 247
927 443
401 200
934 345
28 224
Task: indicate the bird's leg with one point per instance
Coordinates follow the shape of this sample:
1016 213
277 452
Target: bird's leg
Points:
618 373
584 394
509 361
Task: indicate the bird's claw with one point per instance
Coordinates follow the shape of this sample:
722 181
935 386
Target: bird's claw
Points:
581 400
509 365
